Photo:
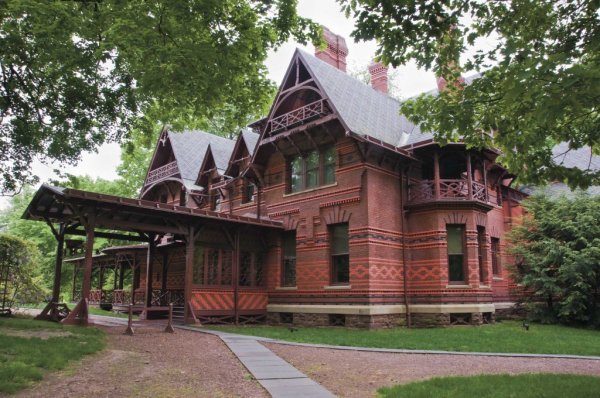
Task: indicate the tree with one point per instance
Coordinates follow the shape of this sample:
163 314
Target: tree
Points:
74 75
539 83
558 258
19 260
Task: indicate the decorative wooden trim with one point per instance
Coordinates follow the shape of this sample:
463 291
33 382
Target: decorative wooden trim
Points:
284 213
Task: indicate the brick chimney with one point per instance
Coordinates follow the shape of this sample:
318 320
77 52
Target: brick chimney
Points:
379 76
336 51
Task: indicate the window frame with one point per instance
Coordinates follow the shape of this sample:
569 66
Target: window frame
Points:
254 266
481 253
286 257
303 172
246 189
463 254
335 255
203 276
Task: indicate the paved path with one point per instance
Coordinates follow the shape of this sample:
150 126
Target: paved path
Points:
277 376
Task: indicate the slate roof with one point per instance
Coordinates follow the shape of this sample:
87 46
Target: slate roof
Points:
189 148
366 111
575 158
251 138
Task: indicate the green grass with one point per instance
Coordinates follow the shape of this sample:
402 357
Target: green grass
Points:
92 310
499 386
24 360
507 337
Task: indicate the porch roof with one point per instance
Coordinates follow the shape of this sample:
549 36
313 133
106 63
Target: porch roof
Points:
78 208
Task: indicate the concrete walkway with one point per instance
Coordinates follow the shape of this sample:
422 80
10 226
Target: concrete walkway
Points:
277 376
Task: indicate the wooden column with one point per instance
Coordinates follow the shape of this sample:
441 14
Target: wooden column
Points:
149 270
485 180
87 265
436 174
469 176
236 275
121 275
189 273
134 279
60 249
75 267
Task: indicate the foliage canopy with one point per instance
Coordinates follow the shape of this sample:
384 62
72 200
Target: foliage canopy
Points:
74 75
557 251
539 83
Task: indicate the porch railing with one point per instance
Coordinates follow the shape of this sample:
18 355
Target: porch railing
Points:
420 191
166 297
161 172
300 115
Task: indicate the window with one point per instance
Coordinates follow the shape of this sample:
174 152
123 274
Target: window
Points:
481 252
340 259
495 249
251 269
212 267
314 169
456 257
289 259
248 192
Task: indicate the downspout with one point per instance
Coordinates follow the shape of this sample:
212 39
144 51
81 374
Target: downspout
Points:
403 179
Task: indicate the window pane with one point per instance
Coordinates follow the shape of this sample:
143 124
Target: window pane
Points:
226 267
248 192
455 268
245 268
259 269
341 269
289 272
198 278
495 256
339 239
289 244
455 239
329 165
312 170
296 175
212 267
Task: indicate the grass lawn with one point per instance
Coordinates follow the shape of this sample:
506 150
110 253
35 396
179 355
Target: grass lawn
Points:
506 336
29 348
498 386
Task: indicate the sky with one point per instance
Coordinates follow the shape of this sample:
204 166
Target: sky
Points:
410 81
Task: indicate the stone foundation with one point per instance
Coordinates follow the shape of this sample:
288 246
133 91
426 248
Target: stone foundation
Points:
424 320
351 321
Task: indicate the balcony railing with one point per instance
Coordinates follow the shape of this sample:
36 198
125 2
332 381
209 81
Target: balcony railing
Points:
162 172
421 191
298 116
166 297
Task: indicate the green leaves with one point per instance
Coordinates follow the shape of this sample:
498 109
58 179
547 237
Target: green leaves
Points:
558 255
74 75
538 84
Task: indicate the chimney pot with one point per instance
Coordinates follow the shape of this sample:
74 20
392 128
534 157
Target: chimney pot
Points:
379 76
336 51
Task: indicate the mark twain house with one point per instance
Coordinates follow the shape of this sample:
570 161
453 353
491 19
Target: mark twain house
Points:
333 209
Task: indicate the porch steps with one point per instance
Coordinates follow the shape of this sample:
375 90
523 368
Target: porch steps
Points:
178 314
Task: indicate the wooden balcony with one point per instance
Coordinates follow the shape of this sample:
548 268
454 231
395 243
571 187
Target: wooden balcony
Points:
426 191
298 116
162 172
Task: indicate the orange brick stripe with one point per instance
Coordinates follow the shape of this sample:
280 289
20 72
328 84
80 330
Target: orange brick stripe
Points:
213 300
253 301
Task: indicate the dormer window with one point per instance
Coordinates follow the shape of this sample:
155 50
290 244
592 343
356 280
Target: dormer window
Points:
215 200
248 191
315 169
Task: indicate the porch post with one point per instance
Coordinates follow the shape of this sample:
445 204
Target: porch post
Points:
469 176
135 283
75 268
60 249
485 186
165 266
189 273
436 174
149 270
87 267
121 275
236 272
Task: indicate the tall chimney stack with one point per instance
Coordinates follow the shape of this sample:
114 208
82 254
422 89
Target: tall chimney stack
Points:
336 51
379 76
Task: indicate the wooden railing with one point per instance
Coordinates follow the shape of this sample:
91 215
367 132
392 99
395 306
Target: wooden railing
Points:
420 191
166 297
162 172
300 115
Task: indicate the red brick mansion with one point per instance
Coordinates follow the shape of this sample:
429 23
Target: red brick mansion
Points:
334 209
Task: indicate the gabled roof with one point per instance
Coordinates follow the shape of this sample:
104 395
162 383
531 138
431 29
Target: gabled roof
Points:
249 139
364 110
190 147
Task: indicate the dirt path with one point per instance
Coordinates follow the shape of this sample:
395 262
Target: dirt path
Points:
153 364
360 374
